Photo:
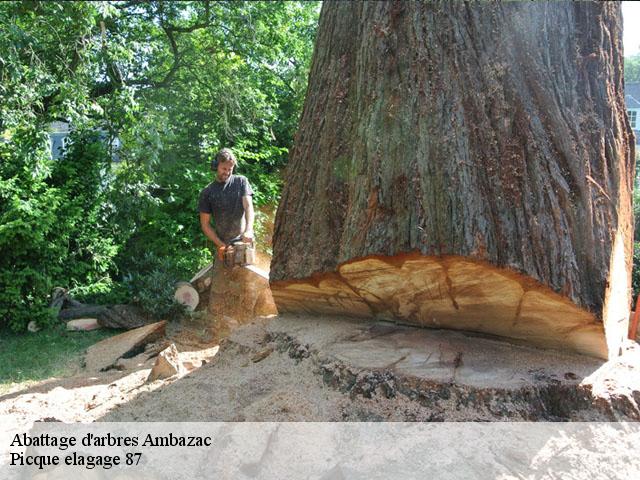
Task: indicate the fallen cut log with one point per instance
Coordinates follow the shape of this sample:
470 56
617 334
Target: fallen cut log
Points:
110 316
447 292
104 354
186 295
84 311
202 280
83 324
60 299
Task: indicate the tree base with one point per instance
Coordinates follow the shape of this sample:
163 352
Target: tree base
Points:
240 293
447 292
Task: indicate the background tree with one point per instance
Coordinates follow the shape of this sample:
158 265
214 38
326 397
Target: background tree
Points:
174 81
632 68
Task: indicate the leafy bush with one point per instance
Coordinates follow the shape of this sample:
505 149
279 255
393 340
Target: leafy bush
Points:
106 291
82 222
152 283
52 227
159 215
30 259
261 165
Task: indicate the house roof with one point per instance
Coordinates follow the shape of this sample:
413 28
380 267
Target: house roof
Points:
632 94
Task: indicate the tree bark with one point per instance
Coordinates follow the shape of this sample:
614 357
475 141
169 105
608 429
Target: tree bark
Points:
487 134
110 316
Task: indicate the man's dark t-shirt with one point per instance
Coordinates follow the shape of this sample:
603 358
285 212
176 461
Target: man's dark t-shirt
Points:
224 202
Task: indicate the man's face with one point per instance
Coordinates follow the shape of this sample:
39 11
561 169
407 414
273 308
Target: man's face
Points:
224 171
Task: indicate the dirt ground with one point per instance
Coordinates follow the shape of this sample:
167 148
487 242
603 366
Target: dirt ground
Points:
336 369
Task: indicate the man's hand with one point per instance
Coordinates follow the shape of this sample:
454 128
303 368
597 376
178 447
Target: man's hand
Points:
247 237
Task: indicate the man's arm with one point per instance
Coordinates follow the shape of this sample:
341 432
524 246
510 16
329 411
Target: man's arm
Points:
247 203
205 225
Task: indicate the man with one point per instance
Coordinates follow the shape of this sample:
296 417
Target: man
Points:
228 200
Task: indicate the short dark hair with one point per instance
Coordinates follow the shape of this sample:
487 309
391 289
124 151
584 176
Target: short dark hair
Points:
223 156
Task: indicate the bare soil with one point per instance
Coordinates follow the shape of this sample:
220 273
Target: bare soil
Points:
294 368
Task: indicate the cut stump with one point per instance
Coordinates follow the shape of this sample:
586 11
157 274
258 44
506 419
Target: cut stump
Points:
109 316
241 293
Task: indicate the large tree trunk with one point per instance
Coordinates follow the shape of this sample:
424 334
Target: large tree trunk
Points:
489 141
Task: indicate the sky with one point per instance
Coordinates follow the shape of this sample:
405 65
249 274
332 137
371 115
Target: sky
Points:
631 24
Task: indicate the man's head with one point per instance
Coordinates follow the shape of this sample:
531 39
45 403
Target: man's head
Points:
223 164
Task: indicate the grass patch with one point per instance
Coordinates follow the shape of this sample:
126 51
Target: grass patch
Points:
33 357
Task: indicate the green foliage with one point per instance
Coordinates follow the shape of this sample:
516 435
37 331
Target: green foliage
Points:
175 81
29 255
82 223
152 283
104 291
261 166
159 216
52 230
632 68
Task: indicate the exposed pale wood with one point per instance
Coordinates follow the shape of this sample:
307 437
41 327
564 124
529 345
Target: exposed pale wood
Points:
447 292
240 293
186 295
104 354
326 293
493 131
203 273
202 284
83 324
167 364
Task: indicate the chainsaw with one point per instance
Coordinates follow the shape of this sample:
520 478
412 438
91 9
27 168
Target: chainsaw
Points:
238 254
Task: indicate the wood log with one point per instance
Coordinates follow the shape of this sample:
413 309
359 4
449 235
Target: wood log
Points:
491 133
110 316
186 295
241 294
60 299
201 281
202 284
84 311
83 324
104 354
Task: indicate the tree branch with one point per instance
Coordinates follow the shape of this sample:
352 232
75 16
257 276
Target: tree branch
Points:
196 26
169 31
117 79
